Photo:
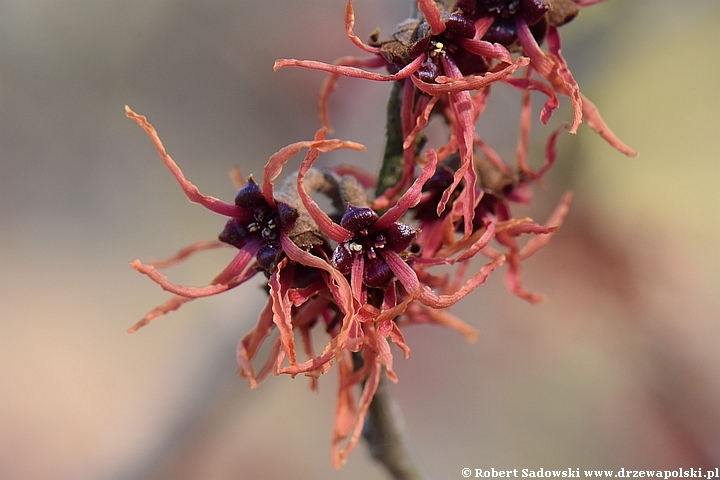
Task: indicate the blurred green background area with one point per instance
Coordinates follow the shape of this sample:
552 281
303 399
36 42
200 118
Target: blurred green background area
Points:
619 368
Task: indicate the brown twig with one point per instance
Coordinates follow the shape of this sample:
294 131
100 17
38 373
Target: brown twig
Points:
383 434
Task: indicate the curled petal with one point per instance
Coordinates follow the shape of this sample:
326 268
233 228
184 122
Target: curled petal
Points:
429 298
342 295
513 281
420 123
340 454
349 24
281 307
410 281
162 280
543 233
399 339
411 197
381 346
471 82
345 410
551 66
324 222
552 102
540 61
188 251
477 241
550 152
170 306
463 110
352 72
234 274
573 90
191 191
595 121
274 166
339 286
431 12
247 347
315 366
485 49
555 220
526 227
299 296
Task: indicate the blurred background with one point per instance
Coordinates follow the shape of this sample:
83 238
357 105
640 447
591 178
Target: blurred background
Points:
618 368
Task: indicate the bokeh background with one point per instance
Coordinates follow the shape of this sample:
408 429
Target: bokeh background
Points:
619 368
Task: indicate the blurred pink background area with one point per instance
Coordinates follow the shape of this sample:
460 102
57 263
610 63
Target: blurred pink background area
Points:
619 368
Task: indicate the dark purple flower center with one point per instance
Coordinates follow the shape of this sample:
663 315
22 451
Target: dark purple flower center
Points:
505 12
370 245
457 26
257 221
409 47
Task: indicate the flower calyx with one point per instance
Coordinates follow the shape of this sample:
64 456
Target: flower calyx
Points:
368 245
259 223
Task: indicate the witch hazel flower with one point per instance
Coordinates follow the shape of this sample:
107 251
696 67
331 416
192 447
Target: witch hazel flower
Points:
442 57
455 48
379 253
273 237
367 245
258 225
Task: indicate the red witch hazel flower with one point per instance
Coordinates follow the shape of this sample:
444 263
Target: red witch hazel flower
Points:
258 225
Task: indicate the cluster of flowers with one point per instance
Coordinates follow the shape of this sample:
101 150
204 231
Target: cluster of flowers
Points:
361 271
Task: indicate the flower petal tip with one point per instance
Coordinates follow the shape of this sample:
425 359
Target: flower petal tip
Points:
131 114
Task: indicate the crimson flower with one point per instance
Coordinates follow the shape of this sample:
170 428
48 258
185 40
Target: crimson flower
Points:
303 287
259 226
365 249
447 54
440 56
